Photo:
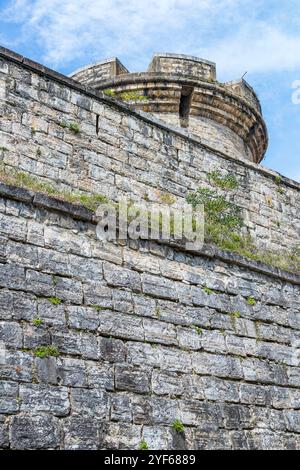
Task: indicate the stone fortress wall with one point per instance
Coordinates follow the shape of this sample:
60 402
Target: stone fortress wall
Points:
145 333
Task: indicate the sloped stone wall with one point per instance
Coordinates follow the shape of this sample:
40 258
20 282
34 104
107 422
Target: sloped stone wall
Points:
120 152
145 334
141 333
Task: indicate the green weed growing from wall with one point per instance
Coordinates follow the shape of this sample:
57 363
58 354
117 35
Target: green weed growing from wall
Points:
46 351
228 181
224 222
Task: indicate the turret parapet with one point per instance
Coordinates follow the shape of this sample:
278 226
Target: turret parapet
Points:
184 65
242 88
95 73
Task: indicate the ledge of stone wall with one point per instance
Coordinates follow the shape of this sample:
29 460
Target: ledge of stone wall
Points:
141 77
79 212
64 80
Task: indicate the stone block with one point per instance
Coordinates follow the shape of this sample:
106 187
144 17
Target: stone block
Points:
34 432
89 403
121 408
132 379
11 334
40 398
168 383
9 397
72 372
121 277
81 433
112 350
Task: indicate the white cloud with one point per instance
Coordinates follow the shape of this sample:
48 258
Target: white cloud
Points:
231 32
260 49
239 35
67 30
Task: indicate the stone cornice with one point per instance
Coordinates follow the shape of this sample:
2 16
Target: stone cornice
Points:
79 212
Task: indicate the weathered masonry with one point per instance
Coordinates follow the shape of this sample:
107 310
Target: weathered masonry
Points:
107 346
183 91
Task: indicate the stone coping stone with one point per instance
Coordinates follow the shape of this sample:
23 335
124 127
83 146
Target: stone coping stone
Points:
79 212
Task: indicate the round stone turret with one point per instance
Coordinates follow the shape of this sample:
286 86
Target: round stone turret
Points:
183 91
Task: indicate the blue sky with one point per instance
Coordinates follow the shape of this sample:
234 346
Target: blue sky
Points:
261 37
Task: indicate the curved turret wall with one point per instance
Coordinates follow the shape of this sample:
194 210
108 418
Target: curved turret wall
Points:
183 91
140 333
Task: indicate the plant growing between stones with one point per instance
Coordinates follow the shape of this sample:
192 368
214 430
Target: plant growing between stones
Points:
157 312
178 426
3 149
109 92
223 228
218 210
37 321
236 314
207 290
74 127
24 180
278 180
143 445
126 95
228 182
91 201
38 152
54 300
63 124
223 219
280 190
132 96
167 198
251 300
198 330
217 233
46 351
98 308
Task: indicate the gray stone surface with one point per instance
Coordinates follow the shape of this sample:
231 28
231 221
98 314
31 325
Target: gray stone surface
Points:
129 147
141 358
137 341
35 432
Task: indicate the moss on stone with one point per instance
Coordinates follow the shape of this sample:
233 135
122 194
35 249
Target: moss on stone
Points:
251 301
46 351
54 300
24 180
126 95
